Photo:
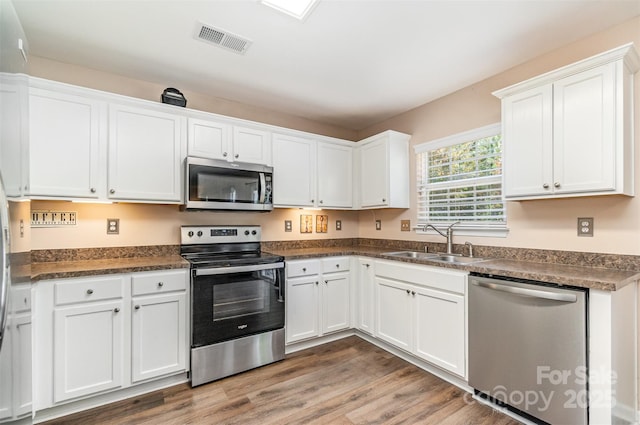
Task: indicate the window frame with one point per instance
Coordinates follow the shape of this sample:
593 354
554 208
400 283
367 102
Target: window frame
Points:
463 229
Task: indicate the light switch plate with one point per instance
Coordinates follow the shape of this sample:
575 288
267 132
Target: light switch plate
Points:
113 226
378 224
287 226
585 226
338 224
405 225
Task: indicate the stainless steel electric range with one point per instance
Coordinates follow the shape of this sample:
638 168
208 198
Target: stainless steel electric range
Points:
237 301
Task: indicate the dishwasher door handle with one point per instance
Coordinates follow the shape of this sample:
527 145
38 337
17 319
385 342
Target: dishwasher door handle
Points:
533 293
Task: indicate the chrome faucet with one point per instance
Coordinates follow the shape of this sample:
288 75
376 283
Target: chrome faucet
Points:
448 235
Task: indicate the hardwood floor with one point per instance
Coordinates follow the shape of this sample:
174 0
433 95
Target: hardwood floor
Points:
345 382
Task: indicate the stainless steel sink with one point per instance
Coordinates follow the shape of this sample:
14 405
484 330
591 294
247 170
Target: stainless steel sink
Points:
410 254
445 258
456 259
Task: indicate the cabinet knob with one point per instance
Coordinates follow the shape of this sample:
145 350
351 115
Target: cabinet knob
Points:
93 190
545 186
304 269
224 154
337 266
556 184
384 200
367 265
112 191
316 282
326 282
89 291
413 292
116 310
160 284
137 307
321 201
237 156
408 291
313 200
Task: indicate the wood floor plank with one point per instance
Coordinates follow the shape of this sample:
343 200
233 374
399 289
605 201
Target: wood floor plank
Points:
345 382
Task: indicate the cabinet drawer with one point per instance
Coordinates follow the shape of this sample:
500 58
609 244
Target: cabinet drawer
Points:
156 283
302 268
88 290
335 264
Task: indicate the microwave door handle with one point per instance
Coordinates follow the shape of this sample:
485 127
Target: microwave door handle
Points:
263 188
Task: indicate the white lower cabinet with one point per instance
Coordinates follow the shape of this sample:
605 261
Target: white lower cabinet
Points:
318 297
99 334
421 310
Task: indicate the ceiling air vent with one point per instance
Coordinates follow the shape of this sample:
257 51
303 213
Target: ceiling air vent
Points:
221 38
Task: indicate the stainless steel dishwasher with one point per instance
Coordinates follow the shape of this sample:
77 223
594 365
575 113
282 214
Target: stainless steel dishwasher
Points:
528 347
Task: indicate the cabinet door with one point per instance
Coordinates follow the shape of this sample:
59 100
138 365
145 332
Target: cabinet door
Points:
145 155
209 139
335 176
528 143
294 171
88 349
366 299
585 131
251 145
374 174
158 336
440 329
302 318
65 140
393 313
335 302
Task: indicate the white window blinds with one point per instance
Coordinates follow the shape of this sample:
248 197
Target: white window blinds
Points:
460 179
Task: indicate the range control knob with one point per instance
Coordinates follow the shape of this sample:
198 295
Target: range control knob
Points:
246 233
253 232
199 233
190 234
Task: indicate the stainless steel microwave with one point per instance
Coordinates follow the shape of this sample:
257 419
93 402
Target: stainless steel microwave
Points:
220 185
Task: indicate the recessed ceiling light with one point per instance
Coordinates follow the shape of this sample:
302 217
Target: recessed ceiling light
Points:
299 9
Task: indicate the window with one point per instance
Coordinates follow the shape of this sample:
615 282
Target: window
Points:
460 179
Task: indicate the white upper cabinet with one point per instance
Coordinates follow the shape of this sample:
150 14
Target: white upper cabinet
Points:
335 176
66 139
570 132
383 169
218 140
145 154
294 171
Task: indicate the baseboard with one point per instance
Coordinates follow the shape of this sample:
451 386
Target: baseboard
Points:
111 397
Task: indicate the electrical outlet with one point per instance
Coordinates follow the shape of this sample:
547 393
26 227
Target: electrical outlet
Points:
405 225
378 224
113 226
585 226
338 224
287 226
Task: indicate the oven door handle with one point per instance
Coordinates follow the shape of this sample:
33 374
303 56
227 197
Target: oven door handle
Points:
238 269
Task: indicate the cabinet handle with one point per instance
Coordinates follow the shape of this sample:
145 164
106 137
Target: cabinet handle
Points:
160 284
89 291
137 307
112 191
93 190
413 293
545 186
224 154
556 184
116 310
237 156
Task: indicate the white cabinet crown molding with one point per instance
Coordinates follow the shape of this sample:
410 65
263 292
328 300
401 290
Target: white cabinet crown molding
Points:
627 53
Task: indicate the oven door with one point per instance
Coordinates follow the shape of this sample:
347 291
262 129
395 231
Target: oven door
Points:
231 302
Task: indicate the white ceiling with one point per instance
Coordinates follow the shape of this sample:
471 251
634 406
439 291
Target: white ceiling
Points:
352 63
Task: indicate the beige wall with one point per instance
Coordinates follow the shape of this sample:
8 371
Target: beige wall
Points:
544 224
549 224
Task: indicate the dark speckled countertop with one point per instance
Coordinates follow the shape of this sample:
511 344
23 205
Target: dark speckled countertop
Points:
606 279
588 270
